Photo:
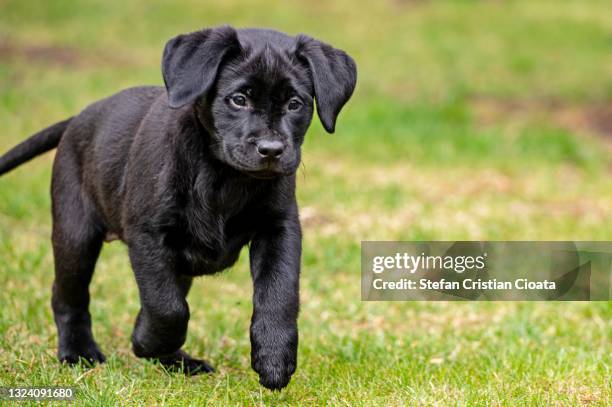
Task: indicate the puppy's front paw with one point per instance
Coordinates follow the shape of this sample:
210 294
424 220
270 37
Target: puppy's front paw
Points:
274 372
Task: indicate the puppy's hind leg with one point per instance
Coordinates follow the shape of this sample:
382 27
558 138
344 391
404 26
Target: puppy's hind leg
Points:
76 245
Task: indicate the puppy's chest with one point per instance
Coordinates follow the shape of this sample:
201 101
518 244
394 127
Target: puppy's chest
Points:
209 241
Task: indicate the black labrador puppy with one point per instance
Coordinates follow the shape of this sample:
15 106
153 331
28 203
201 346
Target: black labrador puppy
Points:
186 176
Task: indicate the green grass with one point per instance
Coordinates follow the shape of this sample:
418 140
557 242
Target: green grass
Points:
414 157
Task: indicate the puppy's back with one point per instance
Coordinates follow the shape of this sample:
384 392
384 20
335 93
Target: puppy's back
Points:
98 140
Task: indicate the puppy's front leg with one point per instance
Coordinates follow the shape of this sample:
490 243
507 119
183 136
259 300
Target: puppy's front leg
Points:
161 325
275 268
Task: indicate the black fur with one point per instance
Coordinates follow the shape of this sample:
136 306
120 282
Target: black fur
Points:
186 177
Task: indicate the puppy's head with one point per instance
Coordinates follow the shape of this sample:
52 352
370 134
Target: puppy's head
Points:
254 92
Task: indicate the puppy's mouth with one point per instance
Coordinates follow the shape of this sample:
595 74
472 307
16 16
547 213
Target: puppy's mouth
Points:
264 174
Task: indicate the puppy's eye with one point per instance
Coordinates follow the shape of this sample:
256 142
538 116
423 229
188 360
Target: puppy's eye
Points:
238 100
294 105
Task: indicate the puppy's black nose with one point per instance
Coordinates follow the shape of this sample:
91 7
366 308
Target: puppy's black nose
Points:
270 148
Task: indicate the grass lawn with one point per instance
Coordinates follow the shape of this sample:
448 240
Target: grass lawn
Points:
471 120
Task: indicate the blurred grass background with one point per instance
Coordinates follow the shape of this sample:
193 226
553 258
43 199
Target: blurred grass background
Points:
471 120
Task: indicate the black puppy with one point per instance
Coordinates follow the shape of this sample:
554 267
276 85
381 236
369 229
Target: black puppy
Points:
186 177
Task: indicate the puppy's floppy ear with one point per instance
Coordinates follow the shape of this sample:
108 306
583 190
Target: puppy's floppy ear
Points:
191 61
334 75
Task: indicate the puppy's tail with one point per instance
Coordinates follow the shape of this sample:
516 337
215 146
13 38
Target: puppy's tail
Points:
39 143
